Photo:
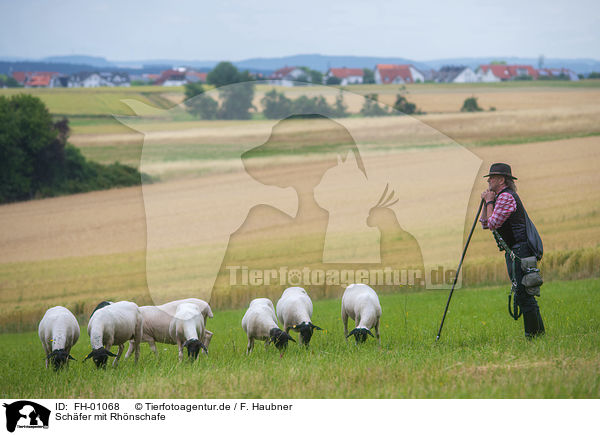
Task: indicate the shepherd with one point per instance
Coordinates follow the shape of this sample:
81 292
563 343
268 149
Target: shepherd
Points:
515 234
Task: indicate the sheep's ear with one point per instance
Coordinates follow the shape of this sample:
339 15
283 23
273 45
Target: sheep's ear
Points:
315 327
87 357
186 343
110 353
70 357
370 333
290 338
202 346
351 333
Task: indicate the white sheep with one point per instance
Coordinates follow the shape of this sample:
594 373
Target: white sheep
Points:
114 324
294 310
185 328
361 304
157 320
58 331
260 323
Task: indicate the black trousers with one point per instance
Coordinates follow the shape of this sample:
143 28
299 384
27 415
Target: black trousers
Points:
524 300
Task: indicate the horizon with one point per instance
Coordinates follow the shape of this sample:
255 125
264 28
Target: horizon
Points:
157 59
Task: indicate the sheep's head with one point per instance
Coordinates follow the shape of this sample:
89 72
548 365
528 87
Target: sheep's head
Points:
59 358
384 204
306 331
100 356
360 334
193 348
279 338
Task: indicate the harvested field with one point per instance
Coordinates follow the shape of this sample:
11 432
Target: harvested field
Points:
85 247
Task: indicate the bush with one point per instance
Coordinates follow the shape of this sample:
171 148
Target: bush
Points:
470 105
371 107
277 106
333 81
402 105
37 161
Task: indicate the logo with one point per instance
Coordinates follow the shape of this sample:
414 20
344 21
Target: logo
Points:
299 198
26 414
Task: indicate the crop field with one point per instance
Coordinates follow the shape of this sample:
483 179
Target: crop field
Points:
78 250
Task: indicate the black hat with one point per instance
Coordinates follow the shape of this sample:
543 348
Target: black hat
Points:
500 169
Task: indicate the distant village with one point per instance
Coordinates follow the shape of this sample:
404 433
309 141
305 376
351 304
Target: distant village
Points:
294 75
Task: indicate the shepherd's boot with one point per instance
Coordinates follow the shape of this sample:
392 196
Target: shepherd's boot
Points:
534 326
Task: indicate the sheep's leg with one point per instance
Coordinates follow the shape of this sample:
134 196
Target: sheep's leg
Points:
152 345
180 347
250 346
47 360
345 321
116 361
377 332
129 350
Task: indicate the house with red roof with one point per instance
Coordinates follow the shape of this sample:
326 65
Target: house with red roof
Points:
286 76
195 76
497 73
347 76
557 73
35 79
397 74
172 77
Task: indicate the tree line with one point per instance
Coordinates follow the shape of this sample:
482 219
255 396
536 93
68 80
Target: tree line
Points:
36 160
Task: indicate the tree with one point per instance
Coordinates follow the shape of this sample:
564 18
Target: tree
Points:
333 80
276 105
402 105
470 105
198 103
368 76
316 76
340 108
9 82
371 107
36 160
235 89
225 73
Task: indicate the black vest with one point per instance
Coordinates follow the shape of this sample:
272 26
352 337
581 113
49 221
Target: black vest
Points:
513 230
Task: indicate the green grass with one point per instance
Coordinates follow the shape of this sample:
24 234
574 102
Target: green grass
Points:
482 354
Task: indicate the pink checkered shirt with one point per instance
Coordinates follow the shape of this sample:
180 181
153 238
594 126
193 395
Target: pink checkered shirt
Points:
504 207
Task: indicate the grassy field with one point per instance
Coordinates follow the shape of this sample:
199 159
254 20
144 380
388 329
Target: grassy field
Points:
482 354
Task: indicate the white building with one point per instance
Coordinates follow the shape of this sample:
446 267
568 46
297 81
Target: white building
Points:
286 76
347 76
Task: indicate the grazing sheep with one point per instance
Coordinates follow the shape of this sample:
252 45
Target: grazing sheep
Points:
101 305
58 331
260 323
114 324
361 304
294 310
185 328
157 320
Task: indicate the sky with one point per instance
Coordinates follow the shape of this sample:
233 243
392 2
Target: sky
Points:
235 30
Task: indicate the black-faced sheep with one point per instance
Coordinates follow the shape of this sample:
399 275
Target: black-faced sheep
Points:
58 331
294 310
260 323
361 304
115 324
